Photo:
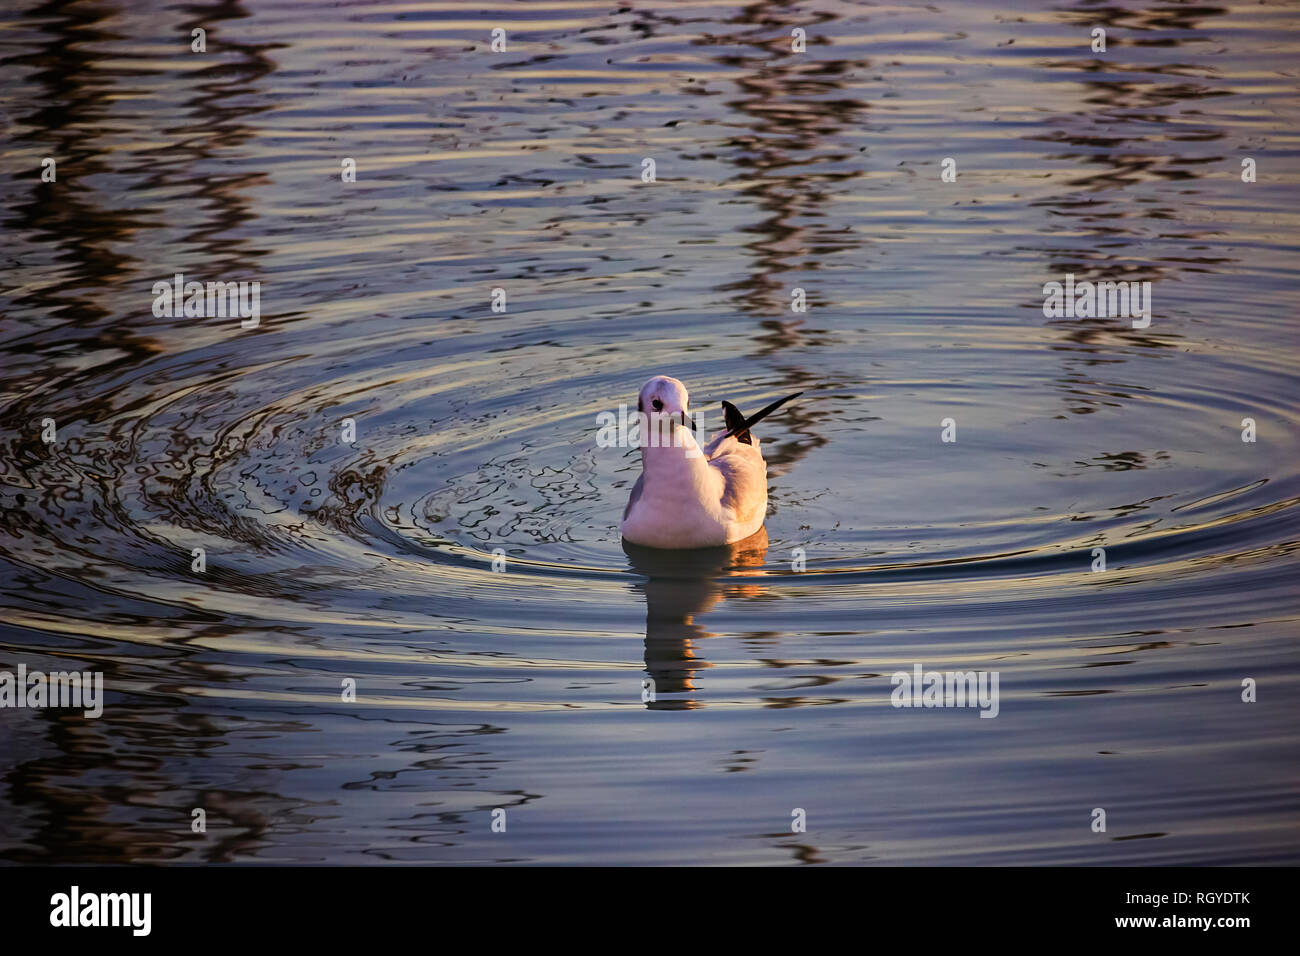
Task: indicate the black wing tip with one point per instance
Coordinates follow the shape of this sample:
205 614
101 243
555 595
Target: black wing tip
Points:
734 419
746 424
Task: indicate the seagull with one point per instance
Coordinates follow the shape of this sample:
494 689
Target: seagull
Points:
692 497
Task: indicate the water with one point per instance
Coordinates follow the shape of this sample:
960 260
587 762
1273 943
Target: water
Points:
475 431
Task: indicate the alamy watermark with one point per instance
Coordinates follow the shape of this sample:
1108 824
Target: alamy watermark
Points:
946 689
661 430
1100 300
56 689
75 908
213 300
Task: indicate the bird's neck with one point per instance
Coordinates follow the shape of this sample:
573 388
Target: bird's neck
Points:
673 461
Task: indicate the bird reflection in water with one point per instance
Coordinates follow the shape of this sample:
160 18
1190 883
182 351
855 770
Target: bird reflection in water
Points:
679 585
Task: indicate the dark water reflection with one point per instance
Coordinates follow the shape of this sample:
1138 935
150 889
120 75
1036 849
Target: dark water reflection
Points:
526 690
678 586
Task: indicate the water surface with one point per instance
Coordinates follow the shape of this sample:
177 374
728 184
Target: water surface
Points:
372 560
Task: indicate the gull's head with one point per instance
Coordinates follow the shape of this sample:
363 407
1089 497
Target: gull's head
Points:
667 422
664 396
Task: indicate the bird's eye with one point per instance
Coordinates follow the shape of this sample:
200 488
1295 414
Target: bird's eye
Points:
658 404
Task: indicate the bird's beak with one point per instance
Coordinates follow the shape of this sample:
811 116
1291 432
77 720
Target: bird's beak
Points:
687 420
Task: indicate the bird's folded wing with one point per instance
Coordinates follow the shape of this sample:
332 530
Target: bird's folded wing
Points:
744 477
635 496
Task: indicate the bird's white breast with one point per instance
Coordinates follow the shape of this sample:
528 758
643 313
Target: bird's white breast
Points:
687 500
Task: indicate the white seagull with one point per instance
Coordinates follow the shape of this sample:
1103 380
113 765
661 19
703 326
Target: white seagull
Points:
692 497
